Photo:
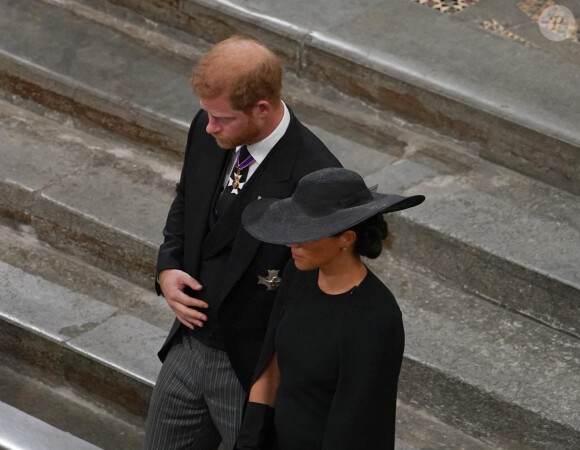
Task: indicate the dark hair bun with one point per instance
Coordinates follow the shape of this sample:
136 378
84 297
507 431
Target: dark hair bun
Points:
370 235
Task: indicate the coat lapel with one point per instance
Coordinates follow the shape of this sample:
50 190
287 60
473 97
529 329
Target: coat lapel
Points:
273 178
276 181
267 181
204 178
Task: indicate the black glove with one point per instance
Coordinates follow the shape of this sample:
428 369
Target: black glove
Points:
257 432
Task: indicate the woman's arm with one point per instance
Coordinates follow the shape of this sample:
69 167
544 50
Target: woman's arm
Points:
257 431
265 387
362 414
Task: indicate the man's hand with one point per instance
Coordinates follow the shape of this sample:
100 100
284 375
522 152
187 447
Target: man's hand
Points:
173 282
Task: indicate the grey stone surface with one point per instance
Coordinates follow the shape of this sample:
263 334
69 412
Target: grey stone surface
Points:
406 48
400 177
22 249
416 429
93 190
447 331
310 15
19 430
404 44
27 389
358 157
91 327
507 218
510 14
109 197
492 373
470 340
114 194
26 160
126 343
47 308
494 226
98 59
413 73
430 56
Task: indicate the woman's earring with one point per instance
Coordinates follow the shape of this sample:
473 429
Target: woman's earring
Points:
343 249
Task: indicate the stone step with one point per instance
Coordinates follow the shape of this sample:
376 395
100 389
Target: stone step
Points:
542 284
480 221
90 313
485 370
370 51
451 334
94 79
21 431
96 197
77 340
91 373
106 200
81 341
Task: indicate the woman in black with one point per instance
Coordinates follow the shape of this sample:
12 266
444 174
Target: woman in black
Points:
332 356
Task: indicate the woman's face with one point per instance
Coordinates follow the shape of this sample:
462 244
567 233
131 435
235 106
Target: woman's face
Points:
316 254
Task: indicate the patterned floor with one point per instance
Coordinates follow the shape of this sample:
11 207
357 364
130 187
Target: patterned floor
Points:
447 6
532 8
495 27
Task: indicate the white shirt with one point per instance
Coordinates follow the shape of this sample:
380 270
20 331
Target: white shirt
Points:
260 149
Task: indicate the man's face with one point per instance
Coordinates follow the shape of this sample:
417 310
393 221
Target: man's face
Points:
230 127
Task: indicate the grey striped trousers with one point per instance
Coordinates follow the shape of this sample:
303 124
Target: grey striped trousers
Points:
197 401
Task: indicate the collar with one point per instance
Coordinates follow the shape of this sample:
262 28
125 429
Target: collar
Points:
260 150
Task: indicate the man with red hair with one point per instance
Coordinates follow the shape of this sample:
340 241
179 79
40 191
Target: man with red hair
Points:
220 282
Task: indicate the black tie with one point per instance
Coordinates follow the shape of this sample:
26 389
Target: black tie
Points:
236 181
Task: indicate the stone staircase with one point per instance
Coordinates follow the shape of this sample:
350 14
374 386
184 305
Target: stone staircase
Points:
17 424
94 110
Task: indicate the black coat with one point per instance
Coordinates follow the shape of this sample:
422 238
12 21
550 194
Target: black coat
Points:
339 357
244 305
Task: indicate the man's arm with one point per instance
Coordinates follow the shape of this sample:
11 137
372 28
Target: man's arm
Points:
172 280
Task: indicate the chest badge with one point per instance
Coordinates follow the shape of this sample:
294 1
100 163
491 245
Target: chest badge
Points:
272 281
236 182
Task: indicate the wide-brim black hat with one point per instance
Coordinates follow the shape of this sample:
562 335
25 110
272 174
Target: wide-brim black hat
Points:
326 202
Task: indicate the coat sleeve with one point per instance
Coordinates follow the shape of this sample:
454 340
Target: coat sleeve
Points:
362 414
278 309
171 251
257 427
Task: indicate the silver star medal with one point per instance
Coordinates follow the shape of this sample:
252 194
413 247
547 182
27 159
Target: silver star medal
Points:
272 281
236 183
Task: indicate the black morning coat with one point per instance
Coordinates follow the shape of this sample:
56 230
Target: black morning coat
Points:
244 305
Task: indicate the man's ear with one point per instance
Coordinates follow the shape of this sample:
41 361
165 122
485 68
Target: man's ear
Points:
263 107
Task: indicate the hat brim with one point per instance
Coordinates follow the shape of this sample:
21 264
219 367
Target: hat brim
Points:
286 221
